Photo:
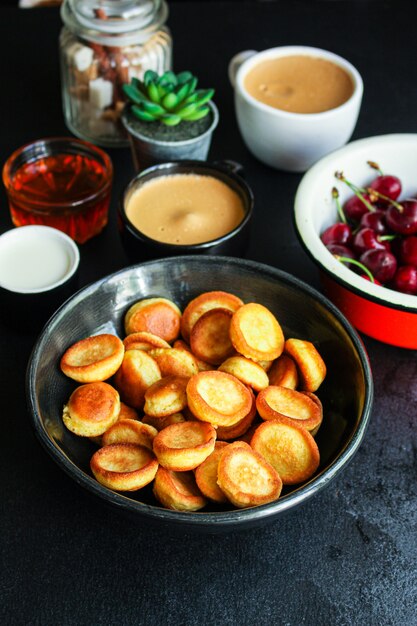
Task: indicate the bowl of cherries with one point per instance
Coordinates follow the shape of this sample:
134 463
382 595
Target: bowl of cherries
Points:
356 216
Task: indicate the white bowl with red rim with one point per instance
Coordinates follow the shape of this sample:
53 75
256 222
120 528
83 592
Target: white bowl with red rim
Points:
382 313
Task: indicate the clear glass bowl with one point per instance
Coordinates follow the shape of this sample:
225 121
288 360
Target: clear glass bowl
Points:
60 182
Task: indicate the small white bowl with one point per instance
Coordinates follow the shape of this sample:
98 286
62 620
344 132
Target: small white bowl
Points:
38 271
382 313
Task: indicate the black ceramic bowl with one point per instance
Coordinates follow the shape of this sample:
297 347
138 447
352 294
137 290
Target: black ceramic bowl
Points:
139 247
346 393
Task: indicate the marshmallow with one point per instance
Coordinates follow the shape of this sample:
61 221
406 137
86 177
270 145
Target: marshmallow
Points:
100 93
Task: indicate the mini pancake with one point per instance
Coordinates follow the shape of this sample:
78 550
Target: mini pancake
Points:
283 372
311 366
210 337
206 474
218 398
274 402
182 447
246 477
202 365
144 341
136 374
203 303
266 365
256 333
124 466
91 409
93 359
158 316
166 396
162 422
126 412
178 490
227 433
247 371
317 400
130 431
174 362
290 448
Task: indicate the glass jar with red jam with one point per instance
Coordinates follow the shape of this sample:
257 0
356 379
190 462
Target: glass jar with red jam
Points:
60 182
104 44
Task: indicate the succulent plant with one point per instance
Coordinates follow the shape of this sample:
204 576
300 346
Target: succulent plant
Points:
169 98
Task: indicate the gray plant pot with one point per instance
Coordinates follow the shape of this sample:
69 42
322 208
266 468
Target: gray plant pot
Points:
147 151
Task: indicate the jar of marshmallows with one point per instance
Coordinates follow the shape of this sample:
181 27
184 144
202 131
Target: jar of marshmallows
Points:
104 44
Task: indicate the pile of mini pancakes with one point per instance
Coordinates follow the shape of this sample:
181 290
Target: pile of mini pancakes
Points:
212 404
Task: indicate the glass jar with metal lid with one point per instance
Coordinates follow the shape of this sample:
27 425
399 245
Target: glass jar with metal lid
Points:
104 44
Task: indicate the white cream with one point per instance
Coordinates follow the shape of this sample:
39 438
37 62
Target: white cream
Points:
35 259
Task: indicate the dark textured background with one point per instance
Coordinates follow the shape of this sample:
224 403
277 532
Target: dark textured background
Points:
346 557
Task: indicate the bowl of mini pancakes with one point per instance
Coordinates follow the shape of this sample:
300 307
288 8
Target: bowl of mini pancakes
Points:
206 394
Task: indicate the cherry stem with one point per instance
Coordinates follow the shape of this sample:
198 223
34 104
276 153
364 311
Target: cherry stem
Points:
345 259
356 190
378 194
386 237
376 167
335 195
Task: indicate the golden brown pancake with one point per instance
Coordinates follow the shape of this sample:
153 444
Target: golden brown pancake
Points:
93 359
206 475
246 477
256 333
136 374
290 448
203 303
181 447
210 337
295 406
166 396
311 366
124 466
130 431
91 409
178 490
247 371
158 316
218 398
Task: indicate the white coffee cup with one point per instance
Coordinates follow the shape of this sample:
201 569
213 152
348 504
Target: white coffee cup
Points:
285 140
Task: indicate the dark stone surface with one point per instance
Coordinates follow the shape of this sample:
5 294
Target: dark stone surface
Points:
346 557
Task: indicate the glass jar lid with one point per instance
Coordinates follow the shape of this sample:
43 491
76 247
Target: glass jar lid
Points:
114 22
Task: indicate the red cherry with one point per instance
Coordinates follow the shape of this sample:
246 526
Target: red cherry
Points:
374 220
381 263
403 218
340 250
337 233
354 208
405 279
367 239
408 251
387 185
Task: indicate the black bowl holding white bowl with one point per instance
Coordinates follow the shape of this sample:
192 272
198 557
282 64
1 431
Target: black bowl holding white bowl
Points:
303 312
